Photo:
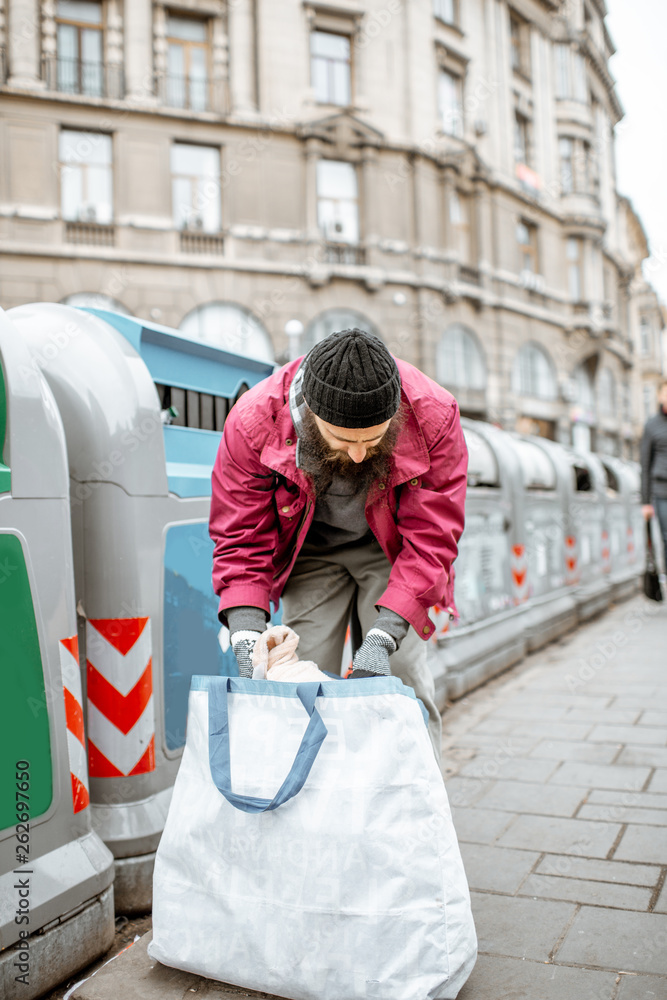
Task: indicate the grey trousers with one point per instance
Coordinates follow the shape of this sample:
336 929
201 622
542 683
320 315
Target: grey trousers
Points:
317 601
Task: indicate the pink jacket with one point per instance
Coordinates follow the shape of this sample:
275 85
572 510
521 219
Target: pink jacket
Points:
262 505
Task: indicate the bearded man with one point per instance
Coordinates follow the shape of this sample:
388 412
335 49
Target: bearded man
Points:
339 485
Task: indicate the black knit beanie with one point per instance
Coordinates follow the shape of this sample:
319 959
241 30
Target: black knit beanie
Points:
351 380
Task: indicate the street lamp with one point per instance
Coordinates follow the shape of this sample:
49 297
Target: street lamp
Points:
293 329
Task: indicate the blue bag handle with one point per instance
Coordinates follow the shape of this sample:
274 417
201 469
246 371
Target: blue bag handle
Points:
219 757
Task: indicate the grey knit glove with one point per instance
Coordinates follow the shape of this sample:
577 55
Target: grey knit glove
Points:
243 644
372 658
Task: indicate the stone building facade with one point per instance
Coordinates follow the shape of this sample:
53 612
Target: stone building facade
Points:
261 172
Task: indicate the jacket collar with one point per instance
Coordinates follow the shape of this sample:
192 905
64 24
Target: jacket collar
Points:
410 458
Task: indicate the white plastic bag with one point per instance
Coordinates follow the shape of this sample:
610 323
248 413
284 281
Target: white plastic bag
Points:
332 870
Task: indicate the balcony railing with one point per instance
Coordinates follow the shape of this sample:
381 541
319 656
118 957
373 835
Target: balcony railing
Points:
470 275
343 253
196 242
81 76
186 92
90 233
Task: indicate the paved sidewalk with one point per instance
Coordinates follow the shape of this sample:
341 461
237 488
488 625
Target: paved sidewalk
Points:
557 775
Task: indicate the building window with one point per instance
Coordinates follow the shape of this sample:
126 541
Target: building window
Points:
649 401
333 321
451 103
606 385
573 251
521 139
459 217
446 10
571 80
526 237
584 390
85 177
519 44
645 335
337 201
187 63
80 44
533 373
230 326
460 360
195 186
566 152
331 68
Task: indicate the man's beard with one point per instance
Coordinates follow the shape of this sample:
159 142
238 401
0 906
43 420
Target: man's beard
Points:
321 463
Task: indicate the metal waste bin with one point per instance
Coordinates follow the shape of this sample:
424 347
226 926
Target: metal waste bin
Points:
585 523
56 893
620 554
489 587
140 503
553 608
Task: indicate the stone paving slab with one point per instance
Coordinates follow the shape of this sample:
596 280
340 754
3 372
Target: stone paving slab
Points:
561 836
517 769
653 719
624 897
602 776
603 871
628 734
624 814
480 826
527 797
643 800
496 978
649 757
658 782
563 750
608 716
497 869
641 988
136 976
519 928
616 939
463 792
661 902
518 713
643 843
552 730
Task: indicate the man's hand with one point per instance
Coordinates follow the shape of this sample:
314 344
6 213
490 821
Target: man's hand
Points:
243 644
372 659
647 511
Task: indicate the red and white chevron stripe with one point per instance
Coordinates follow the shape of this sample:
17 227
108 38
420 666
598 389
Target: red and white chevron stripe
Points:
121 716
76 740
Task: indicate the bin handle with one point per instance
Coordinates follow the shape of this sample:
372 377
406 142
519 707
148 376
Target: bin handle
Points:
219 752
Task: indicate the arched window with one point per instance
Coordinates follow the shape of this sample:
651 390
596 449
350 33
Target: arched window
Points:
331 321
95 300
227 325
459 359
584 387
533 373
606 386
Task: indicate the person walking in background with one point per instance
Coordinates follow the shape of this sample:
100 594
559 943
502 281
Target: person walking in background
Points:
339 485
654 465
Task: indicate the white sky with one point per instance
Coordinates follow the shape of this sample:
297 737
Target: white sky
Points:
638 29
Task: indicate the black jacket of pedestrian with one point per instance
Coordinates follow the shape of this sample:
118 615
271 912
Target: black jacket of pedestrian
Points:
654 458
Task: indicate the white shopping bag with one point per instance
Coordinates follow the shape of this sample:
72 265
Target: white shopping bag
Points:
309 850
